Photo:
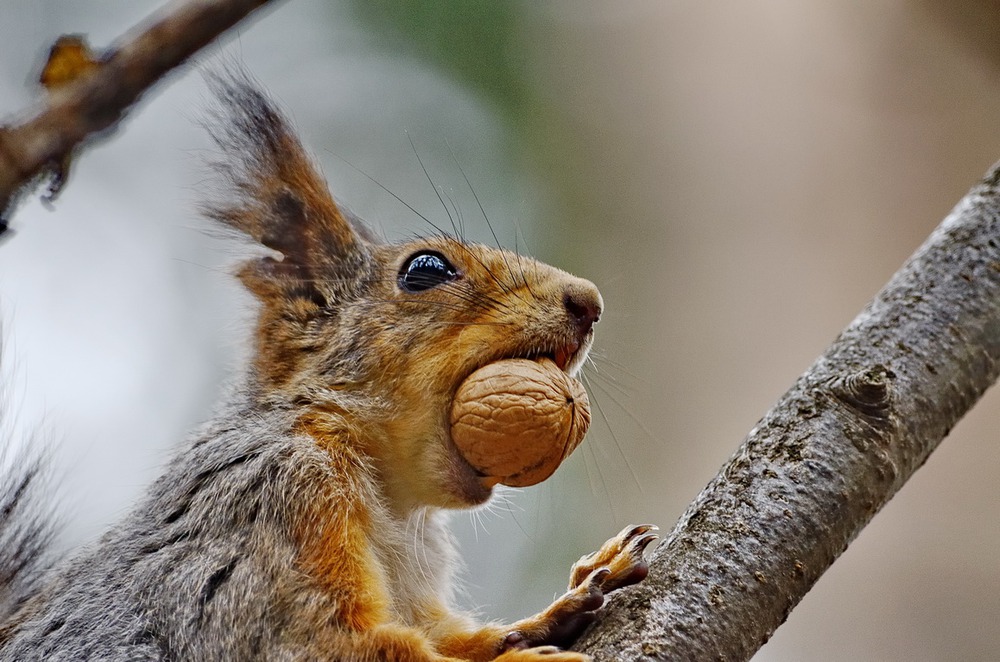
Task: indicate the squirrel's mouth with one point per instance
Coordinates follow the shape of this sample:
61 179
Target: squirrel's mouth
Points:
564 355
568 357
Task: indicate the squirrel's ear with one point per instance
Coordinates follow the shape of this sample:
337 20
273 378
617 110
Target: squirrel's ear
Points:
279 199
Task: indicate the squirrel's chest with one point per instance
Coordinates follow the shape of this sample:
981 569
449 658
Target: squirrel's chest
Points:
417 562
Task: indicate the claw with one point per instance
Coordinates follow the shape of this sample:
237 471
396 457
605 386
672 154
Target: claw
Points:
633 530
619 562
630 566
637 546
623 554
597 577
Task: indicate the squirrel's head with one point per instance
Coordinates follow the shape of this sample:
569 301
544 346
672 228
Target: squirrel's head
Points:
369 340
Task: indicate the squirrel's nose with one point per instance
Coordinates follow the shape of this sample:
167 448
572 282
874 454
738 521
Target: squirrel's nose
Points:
584 304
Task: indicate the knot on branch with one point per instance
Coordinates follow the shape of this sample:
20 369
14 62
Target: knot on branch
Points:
868 391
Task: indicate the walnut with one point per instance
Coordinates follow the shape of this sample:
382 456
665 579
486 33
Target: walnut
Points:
516 420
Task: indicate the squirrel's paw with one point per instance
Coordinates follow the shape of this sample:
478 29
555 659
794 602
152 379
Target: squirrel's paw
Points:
564 620
618 563
542 654
622 556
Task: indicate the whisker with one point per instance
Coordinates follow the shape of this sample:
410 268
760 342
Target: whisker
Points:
482 209
621 389
589 453
460 230
474 519
524 278
398 199
598 357
600 410
451 219
507 504
467 292
606 392
506 289
205 267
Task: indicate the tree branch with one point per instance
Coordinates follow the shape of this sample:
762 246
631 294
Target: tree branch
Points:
827 457
97 101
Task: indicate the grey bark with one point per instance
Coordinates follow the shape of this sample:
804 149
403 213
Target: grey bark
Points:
836 447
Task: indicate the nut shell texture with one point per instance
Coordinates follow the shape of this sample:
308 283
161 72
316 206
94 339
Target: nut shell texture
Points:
516 420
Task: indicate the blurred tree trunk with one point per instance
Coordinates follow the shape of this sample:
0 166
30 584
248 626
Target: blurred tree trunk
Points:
815 470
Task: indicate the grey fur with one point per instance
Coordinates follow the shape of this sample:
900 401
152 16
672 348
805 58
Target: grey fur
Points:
203 569
160 585
25 533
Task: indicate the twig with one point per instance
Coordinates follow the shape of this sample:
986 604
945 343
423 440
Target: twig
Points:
827 457
96 102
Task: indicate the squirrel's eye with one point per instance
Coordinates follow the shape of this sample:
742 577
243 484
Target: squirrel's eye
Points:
424 271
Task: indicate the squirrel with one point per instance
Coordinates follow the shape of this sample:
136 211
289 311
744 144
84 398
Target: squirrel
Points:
306 520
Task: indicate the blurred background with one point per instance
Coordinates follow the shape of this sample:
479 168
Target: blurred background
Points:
738 179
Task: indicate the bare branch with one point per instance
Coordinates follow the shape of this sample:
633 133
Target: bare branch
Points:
96 102
827 457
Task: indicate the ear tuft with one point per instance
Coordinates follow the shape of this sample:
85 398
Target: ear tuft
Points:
276 195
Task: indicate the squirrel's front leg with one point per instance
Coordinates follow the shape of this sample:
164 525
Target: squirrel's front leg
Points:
619 562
